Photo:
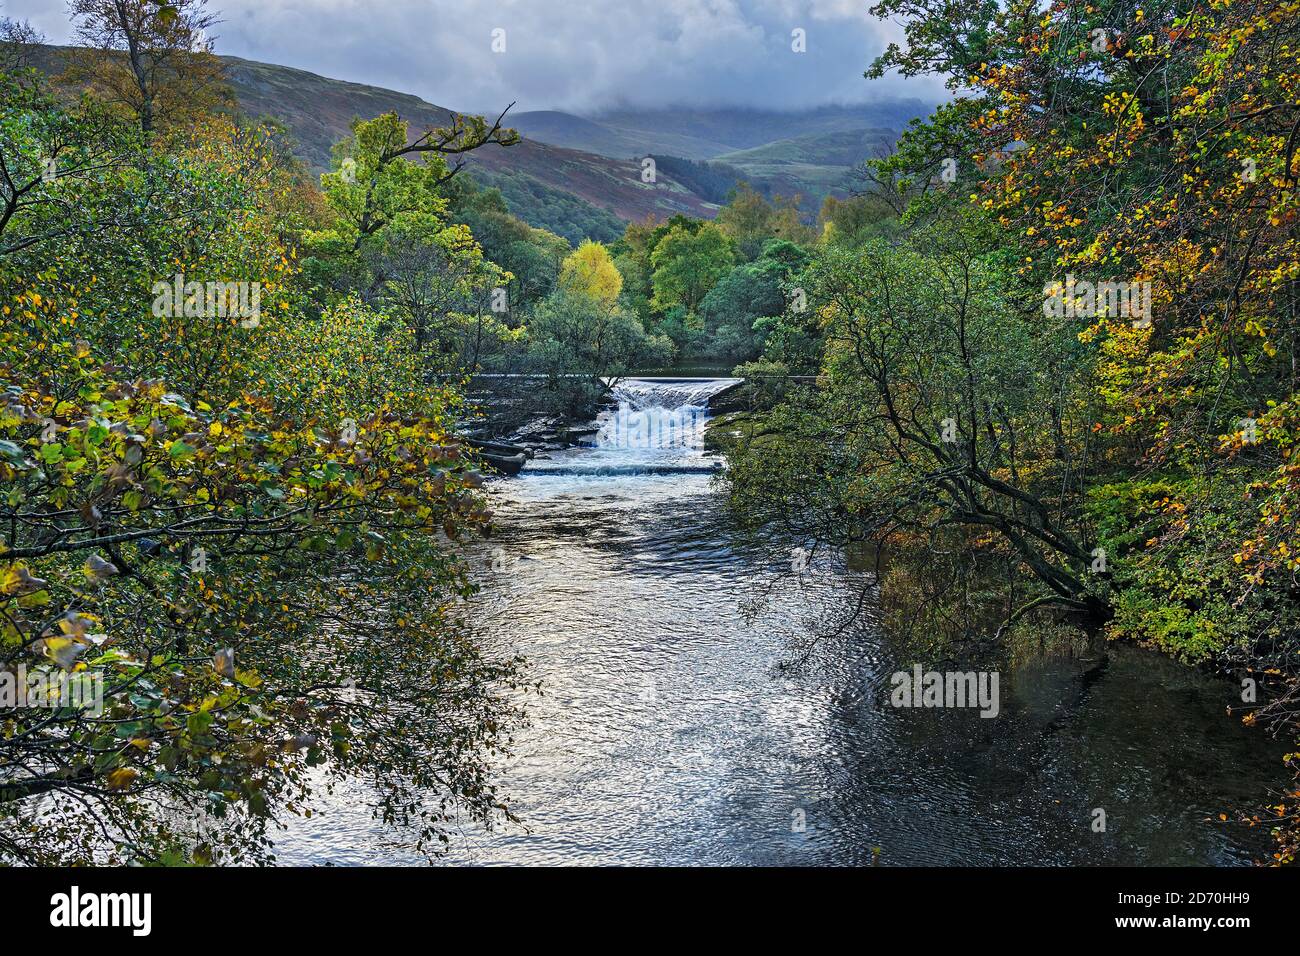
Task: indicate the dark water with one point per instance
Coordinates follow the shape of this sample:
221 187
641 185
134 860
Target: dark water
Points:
667 734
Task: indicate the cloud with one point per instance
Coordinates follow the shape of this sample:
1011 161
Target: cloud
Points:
576 55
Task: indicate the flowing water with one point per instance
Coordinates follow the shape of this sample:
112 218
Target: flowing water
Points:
668 733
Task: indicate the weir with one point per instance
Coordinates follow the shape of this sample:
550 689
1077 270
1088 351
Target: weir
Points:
660 413
656 427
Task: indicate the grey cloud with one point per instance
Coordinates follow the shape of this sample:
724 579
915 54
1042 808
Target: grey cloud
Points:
560 54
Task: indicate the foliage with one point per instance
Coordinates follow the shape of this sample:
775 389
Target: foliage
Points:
711 181
734 309
18 42
554 210
576 341
243 528
531 256
589 271
1138 469
749 220
389 235
152 60
687 264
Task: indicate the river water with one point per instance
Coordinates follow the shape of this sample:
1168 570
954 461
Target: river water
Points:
668 733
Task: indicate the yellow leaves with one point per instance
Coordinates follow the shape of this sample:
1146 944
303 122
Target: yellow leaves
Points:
18 580
590 271
121 778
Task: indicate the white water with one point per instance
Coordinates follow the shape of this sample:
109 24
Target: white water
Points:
657 428
657 415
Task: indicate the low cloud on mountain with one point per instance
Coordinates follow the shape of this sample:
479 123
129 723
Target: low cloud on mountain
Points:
576 56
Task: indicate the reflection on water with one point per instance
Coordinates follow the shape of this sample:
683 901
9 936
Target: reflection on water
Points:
667 734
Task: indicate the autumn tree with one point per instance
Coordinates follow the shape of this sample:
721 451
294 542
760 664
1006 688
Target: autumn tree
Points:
18 43
382 172
151 58
242 534
590 271
750 219
1144 466
389 236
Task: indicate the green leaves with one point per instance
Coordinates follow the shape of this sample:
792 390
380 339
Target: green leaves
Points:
179 450
226 553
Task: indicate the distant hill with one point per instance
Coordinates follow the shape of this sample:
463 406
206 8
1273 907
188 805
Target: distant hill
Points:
581 176
318 110
575 132
746 128
841 148
812 153
573 193
814 165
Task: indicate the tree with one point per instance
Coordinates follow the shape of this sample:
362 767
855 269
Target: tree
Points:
439 283
531 256
240 535
152 58
52 164
369 188
750 220
18 43
686 266
589 271
1140 464
851 222
576 342
944 409
734 308
389 236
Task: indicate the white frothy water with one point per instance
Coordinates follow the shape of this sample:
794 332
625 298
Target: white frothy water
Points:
659 415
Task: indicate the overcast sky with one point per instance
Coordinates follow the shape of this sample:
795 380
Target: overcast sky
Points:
575 55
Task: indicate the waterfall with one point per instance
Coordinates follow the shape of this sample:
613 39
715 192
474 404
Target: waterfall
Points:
659 415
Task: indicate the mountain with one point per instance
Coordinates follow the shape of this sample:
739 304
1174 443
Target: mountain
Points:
576 132
812 153
581 176
317 111
746 128
573 193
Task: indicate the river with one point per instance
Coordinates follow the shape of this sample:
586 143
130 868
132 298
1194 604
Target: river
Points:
668 732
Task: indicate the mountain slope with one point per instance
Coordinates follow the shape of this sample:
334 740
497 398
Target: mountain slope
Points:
318 111
581 176
814 165
572 193
746 128
812 153
576 132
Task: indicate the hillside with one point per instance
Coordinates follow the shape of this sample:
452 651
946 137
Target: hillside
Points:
811 153
576 132
814 165
581 176
318 110
568 191
743 129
